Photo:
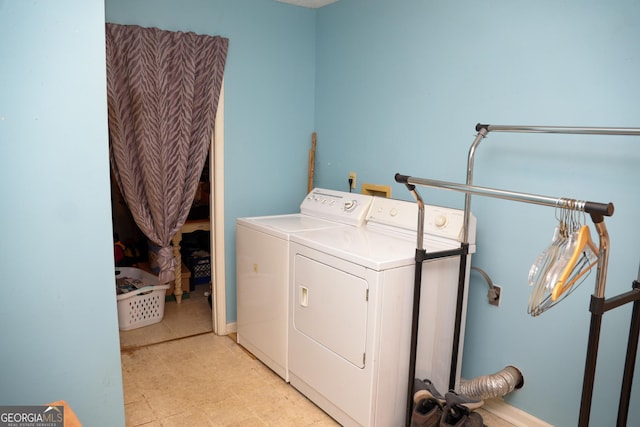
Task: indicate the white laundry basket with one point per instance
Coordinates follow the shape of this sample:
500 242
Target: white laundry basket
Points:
143 304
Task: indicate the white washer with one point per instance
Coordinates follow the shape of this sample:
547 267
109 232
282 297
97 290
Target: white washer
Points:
351 309
262 268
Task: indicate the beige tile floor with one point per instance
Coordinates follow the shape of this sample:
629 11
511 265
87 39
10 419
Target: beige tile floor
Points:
191 317
208 380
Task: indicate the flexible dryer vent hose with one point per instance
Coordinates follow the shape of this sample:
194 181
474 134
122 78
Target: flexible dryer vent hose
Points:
496 385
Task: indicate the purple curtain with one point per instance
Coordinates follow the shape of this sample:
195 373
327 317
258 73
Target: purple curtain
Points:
162 90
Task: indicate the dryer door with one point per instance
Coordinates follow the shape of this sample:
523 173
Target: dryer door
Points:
330 308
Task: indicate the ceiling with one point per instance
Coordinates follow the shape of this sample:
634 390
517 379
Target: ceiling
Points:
309 3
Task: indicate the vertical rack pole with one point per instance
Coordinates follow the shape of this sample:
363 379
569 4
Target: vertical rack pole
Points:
420 253
457 331
482 133
597 309
415 313
629 364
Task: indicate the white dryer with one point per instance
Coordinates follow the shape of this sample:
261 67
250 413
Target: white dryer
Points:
351 309
262 269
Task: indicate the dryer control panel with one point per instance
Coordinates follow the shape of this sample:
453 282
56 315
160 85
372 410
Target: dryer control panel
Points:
402 216
339 206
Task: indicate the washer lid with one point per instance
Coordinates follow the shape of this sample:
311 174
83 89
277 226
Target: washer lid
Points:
284 225
377 251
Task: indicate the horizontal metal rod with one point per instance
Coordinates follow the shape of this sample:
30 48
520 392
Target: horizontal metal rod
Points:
560 129
604 209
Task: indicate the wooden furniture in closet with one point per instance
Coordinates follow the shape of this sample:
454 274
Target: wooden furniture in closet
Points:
189 227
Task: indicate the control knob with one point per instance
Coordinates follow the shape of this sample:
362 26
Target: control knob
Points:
350 205
441 221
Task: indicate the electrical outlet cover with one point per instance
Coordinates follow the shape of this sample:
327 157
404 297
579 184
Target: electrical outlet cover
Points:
352 177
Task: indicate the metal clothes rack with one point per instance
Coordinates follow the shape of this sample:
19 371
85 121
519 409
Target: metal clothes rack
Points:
598 306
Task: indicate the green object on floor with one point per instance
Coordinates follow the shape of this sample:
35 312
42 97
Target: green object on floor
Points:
185 295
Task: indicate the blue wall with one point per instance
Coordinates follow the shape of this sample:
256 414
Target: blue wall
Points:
269 91
58 321
399 88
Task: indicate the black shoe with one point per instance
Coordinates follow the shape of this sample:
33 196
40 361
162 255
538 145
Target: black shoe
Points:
426 413
452 398
424 389
460 416
458 412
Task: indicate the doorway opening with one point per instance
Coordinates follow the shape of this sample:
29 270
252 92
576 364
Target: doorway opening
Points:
208 297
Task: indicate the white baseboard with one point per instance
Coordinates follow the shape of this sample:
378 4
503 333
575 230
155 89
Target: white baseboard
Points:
231 328
515 416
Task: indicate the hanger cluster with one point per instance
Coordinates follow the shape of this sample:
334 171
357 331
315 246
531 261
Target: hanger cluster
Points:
565 264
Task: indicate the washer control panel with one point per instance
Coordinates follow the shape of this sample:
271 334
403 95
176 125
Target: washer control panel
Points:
339 206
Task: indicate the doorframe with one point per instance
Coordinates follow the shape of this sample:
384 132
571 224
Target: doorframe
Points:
216 216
